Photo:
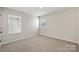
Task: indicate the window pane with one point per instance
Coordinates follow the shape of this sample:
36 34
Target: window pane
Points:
14 24
43 22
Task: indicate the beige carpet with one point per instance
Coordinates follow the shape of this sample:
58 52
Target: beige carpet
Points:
39 44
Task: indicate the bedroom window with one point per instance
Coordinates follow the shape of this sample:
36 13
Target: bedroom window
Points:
14 24
43 22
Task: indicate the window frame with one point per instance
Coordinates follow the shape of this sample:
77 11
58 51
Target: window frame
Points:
9 23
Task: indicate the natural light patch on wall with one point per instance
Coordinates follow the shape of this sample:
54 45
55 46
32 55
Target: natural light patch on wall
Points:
36 22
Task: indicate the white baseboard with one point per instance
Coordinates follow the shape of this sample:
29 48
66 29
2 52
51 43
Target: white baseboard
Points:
19 39
32 36
58 38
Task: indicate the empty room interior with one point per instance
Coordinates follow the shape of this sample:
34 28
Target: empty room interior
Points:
39 29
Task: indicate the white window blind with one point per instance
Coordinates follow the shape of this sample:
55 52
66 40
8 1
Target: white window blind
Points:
14 24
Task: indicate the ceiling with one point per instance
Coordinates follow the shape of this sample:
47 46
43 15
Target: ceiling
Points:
37 11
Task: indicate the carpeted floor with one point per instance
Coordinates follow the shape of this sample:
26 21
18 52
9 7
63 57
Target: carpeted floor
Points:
39 44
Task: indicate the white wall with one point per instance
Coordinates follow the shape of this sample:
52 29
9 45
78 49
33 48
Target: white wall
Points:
78 26
0 17
62 25
29 26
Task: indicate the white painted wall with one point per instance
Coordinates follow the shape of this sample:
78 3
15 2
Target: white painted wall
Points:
0 25
62 25
78 26
29 26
